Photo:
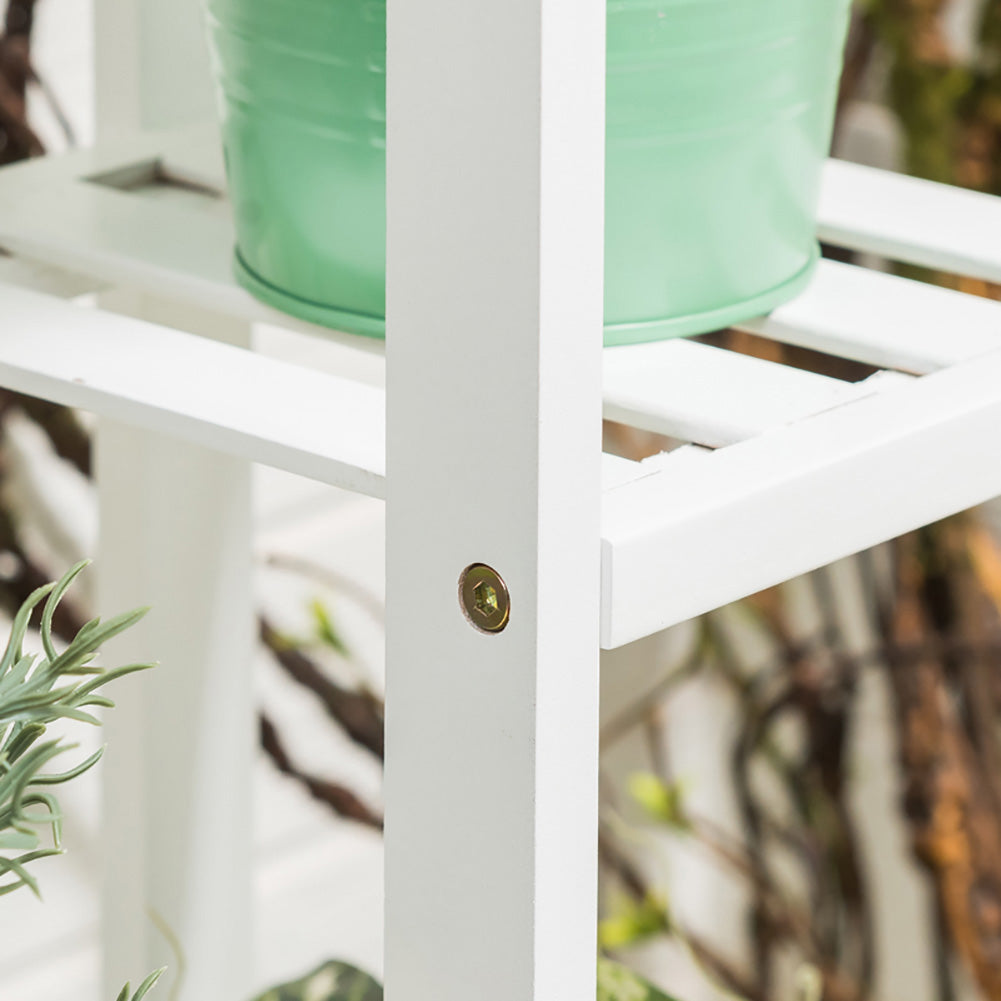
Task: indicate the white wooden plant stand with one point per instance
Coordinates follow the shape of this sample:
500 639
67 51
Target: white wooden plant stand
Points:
485 442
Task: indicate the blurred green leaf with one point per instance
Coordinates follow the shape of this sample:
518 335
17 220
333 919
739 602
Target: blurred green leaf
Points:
336 981
333 981
326 632
662 802
143 988
617 983
632 922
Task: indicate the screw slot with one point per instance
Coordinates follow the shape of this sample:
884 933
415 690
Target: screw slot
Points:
484 598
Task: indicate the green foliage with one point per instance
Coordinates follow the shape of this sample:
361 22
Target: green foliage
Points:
143 987
326 631
332 981
335 981
617 983
35 691
662 802
632 921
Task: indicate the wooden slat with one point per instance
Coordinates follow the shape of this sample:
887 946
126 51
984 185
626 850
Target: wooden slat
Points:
317 425
906 219
695 537
617 471
181 249
884 320
55 351
39 277
197 156
177 248
713 397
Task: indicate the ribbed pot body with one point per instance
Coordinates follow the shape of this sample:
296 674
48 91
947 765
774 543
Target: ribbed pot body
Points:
718 121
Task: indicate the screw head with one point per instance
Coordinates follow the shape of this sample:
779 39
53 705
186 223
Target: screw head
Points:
484 598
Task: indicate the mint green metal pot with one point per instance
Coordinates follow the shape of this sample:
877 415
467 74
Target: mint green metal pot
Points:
719 119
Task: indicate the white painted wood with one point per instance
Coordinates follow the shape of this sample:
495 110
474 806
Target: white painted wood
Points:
195 154
491 440
51 212
43 358
149 244
179 245
702 394
201 391
495 197
216 395
316 425
152 65
677 458
615 471
39 277
847 311
207 392
907 219
175 530
884 320
191 153
171 243
176 534
752 515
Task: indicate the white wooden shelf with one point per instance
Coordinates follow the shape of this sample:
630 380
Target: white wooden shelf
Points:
780 469
321 426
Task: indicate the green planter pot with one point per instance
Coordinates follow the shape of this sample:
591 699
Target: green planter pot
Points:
719 119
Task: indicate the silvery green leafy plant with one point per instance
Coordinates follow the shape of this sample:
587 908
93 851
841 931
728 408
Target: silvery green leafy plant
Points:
39 689
36 690
144 987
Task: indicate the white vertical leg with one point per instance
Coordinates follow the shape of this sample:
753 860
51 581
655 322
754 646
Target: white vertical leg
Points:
176 534
496 146
151 66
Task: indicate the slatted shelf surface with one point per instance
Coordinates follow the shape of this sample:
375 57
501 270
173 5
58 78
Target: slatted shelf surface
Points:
907 219
883 320
779 470
311 423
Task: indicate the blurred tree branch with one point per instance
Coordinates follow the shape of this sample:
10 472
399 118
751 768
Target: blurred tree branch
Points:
17 140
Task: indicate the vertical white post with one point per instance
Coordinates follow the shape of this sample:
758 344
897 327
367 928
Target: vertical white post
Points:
151 65
175 534
495 148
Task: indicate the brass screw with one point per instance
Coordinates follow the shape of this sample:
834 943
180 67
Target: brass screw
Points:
484 598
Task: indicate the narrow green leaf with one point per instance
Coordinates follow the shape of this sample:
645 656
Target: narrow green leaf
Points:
20 841
22 740
87 642
114 674
72 773
145 986
55 596
19 627
17 867
325 630
17 674
31 696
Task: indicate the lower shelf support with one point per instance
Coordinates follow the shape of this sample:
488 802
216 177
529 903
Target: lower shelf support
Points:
176 535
